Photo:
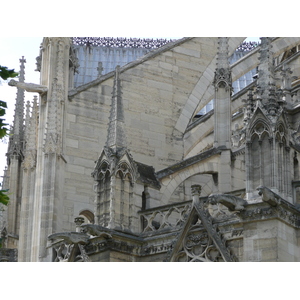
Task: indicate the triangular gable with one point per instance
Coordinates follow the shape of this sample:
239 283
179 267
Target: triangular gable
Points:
200 239
259 113
104 156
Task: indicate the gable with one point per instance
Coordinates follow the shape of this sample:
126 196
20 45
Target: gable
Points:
200 239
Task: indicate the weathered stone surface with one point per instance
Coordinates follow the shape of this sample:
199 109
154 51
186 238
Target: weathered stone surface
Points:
137 131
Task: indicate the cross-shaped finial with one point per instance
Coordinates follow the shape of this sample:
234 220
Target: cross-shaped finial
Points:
22 60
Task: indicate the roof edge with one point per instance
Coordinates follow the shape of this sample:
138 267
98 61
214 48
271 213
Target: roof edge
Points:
153 53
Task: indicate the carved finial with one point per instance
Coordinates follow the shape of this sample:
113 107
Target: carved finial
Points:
265 70
27 118
196 190
15 146
267 92
100 68
249 106
78 222
22 69
222 57
116 134
222 73
31 136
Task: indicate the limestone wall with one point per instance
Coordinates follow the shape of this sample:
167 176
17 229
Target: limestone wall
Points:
154 93
270 240
86 126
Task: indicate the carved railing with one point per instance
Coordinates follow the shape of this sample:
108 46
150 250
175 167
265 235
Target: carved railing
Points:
172 215
120 42
247 46
148 43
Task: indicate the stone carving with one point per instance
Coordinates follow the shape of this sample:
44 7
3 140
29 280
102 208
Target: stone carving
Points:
170 216
70 237
237 232
222 76
38 63
100 68
95 230
120 42
74 60
238 136
29 87
156 249
247 46
269 196
198 247
70 246
3 238
63 252
213 231
208 245
70 253
196 190
8 255
233 203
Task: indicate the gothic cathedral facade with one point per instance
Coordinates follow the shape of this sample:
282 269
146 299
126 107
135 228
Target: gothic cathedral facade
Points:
154 150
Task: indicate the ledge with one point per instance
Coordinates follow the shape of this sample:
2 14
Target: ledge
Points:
187 162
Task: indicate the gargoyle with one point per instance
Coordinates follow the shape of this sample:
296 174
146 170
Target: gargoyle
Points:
29 87
269 196
95 230
70 237
233 203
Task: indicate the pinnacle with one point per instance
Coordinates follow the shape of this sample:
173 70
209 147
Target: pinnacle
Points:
116 137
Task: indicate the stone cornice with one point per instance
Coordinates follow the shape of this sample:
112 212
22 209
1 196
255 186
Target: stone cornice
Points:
187 162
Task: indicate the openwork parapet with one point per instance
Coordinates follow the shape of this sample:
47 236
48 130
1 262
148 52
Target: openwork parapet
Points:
120 42
247 46
171 215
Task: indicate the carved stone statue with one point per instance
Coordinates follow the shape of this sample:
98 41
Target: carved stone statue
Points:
233 203
269 196
95 230
70 237
29 87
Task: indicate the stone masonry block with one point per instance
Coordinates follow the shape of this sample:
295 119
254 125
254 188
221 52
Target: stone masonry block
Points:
72 143
189 52
160 85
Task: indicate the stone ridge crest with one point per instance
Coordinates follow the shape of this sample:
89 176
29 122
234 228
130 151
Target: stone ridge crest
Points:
119 42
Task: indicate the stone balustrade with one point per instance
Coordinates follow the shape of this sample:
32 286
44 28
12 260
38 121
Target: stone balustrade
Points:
171 215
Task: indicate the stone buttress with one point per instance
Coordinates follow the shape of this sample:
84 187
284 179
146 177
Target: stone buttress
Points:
50 164
15 156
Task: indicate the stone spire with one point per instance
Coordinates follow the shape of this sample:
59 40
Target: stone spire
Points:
116 138
222 60
17 137
222 83
31 136
19 111
266 88
222 73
